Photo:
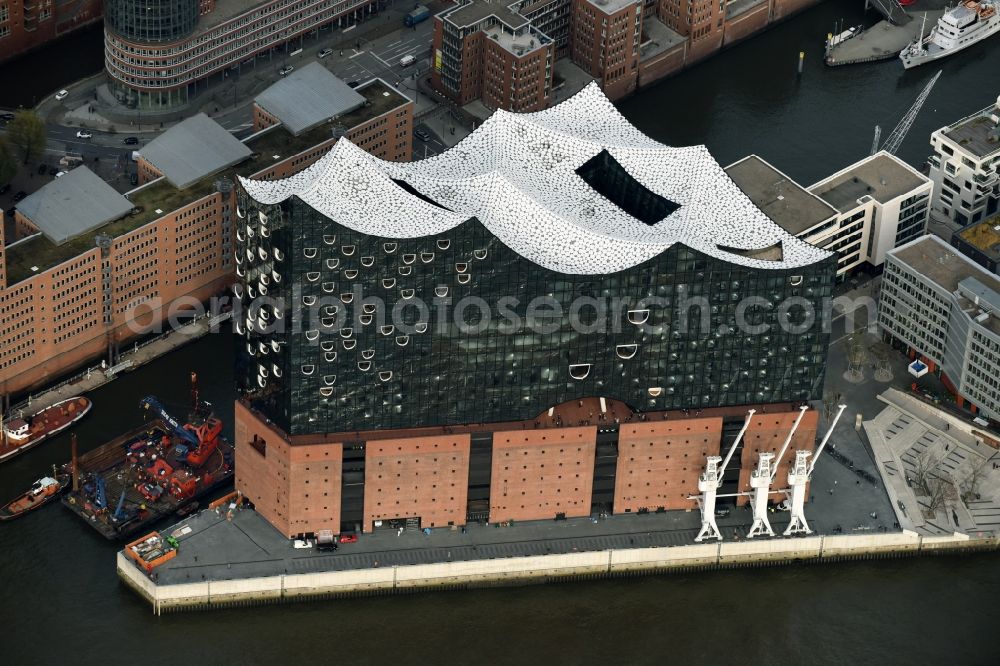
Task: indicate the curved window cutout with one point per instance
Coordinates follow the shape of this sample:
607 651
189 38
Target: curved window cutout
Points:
239 270
610 179
263 290
263 347
655 391
262 371
440 292
461 268
346 298
325 391
308 369
407 294
387 330
309 300
238 290
351 273
239 213
464 278
348 250
479 254
261 381
329 287
250 233
369 308
265 279
276 370
329 239
330 310
250 349
405 270
330 357
364 366
626 351
262 253
795 280
262 217
346 332
365 319
264 232
333 263
326 345
388 283
367 262
312 276
279 255
309 252
402 340
275 346
409 258
312 335
770 253
409 189
350 344
420 327
368 354
579 370
239 329
240 237
276 276
427 257
389 247
443 244
329 380
385 375
638 316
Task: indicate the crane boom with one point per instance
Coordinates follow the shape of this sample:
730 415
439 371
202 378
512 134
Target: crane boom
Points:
826 438
732 449
895 139
788 440
153 404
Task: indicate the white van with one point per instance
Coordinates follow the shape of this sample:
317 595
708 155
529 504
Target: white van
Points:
407 60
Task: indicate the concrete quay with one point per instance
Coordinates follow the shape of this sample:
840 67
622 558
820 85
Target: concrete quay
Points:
332 579
882 41
131 357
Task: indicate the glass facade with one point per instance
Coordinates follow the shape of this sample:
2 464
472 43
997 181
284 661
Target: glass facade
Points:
346 331
151 21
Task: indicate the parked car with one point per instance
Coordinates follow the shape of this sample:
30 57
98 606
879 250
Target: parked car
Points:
287 69
131 140
348 538
60 174
42 169
84 135
20 195
407 60
324 53
422 135
62 94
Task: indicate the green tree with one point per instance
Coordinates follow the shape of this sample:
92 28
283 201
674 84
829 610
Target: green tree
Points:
26 134
8 163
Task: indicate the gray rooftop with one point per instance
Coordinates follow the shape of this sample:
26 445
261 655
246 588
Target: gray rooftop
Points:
475 11
659 38
783 200
193 149
73 204
978 134
307 97
973 289
881 176
942 264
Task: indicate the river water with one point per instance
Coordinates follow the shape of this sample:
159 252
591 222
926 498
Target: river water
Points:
60 598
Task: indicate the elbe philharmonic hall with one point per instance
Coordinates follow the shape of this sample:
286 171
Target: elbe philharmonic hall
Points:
557 317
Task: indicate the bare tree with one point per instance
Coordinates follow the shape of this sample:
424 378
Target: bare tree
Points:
925 471
941 493
969 486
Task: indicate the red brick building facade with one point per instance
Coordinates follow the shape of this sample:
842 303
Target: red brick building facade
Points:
28 24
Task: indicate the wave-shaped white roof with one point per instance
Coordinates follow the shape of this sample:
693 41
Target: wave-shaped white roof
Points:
516 174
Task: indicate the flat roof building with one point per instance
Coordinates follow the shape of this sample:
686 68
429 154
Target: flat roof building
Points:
562 211
190 150
980 242
944 309
782 199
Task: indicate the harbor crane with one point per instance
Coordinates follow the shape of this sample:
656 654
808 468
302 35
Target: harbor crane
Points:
761 478
895 138
709 483
799 476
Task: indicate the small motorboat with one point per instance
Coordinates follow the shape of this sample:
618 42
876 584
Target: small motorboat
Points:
41 493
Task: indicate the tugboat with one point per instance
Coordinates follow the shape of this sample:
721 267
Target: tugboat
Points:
41 493
20 434
962 26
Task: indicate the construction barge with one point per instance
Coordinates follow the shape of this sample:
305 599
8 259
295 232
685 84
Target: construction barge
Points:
150 472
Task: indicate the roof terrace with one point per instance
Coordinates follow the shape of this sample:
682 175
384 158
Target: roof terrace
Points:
979 133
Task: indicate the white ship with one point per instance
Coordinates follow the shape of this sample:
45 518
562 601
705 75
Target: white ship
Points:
960 27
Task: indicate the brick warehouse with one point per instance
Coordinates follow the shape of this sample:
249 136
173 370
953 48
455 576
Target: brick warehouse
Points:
367 402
